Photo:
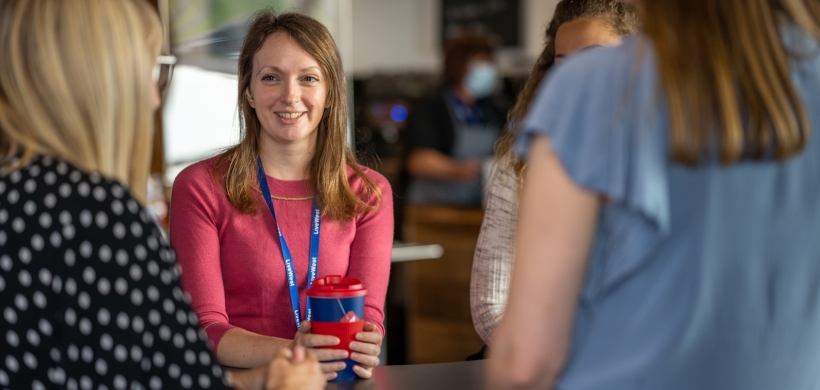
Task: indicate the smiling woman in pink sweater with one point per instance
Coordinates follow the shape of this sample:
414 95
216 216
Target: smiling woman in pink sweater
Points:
292 164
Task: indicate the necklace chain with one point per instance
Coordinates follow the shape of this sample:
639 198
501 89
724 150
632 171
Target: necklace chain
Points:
284 198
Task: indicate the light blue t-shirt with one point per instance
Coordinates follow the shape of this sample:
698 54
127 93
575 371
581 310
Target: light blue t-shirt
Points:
705 278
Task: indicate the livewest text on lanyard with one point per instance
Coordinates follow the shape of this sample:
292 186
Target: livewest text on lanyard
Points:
314 247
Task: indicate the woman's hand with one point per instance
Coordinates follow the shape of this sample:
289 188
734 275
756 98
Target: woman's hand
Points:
289 370
295 370
366 350
310 341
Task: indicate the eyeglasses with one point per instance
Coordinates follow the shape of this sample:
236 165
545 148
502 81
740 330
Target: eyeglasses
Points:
163 70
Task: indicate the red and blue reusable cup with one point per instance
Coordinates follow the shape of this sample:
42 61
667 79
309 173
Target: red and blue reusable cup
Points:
337 309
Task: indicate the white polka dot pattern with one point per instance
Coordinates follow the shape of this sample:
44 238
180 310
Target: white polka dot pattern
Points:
89 289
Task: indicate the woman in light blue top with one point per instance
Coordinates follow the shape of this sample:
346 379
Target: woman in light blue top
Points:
669 232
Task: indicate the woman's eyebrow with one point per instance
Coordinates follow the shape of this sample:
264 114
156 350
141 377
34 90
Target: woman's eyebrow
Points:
277 69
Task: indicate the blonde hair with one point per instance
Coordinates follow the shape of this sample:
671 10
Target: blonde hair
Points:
721 59
328 170
75 84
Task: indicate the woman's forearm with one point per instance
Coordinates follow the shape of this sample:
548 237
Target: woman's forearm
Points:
433 164
492 263
243 349
554 235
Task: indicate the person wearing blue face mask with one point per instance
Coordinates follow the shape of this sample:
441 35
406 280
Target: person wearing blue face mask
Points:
481 79
454 130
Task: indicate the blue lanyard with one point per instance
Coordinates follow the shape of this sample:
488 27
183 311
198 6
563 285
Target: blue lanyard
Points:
316 216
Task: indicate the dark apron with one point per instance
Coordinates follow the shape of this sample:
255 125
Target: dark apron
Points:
471 142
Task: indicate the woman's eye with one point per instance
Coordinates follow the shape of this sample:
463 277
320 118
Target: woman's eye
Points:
311 79
268 78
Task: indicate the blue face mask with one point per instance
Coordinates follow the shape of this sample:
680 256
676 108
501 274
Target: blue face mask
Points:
481 79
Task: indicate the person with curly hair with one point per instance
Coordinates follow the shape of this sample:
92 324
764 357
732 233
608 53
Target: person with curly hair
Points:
576 25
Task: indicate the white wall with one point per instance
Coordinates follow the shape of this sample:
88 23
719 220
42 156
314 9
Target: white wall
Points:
403 35
395 35
537 14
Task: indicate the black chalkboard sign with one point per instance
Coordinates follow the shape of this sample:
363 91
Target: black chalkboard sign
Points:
497 19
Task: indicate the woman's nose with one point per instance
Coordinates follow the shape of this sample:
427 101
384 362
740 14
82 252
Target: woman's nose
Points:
292 92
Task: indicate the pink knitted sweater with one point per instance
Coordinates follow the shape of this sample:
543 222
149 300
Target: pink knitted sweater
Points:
232 262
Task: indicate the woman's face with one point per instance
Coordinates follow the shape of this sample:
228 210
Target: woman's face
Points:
480 76
582 33
288 91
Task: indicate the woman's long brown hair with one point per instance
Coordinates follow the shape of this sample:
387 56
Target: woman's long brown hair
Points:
328 169
622 19
721 60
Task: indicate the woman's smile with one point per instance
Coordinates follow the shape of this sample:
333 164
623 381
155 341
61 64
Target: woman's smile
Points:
290 116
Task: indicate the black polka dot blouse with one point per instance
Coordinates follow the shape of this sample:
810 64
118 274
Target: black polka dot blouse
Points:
89 289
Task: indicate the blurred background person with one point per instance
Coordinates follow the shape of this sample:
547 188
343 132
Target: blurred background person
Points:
576 25
89 287
453 131
293 149
666 233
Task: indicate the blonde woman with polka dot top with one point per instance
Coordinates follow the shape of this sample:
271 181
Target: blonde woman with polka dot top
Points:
89 288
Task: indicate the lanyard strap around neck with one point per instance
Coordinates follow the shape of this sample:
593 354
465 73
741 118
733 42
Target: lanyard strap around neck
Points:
316 217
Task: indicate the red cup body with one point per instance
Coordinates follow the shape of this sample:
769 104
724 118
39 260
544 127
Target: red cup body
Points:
337 309
345 331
